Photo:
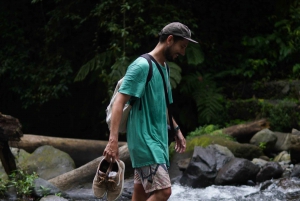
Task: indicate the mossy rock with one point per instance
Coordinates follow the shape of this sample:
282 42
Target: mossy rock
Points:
239 150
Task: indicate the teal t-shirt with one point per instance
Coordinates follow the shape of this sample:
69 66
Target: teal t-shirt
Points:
147 132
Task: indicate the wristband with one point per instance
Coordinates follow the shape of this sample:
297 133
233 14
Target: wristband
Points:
177 128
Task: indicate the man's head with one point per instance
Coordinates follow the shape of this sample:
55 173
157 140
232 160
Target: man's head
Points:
175 36
177 29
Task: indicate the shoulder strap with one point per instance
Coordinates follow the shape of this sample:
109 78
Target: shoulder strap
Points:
166 94
146 56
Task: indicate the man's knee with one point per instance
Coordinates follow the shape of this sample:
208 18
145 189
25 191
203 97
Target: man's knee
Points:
163 194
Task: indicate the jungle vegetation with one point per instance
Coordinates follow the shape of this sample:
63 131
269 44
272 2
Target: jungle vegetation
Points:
59 60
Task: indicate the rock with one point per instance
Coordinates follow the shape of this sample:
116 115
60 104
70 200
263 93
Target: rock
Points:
53 198
237 171
272 170
183 164
266 158
295 132
259 162
204 165
296 171
283 156
43 187
264 137
283 142
48 162
295 154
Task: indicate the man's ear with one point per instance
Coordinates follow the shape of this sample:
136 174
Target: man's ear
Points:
170 40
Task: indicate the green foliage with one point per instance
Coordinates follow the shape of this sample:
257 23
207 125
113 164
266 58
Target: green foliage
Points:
206 94
194 54
202 130
262 145
282 115
270 53
175 74
46 45
44 190
3 186
23 182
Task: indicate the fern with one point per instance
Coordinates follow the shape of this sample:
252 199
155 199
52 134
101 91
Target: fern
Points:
194 54
175 74
206 96
99 61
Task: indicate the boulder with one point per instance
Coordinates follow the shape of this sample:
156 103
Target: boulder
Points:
283 156
204 165
43 187
295 132
237 171
271 170
260 162
48 162
283 142
296 171
264 137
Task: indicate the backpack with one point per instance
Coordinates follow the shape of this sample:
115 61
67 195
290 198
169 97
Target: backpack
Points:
127 106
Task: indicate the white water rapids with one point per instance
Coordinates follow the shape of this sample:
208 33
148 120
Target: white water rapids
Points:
232 193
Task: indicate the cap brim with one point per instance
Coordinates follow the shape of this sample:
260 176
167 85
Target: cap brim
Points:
189 39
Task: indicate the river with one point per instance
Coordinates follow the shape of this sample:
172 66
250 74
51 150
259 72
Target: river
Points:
233 193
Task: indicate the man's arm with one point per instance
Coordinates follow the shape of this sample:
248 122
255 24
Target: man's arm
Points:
111 152
180 142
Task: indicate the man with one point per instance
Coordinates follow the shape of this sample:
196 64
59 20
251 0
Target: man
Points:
147 126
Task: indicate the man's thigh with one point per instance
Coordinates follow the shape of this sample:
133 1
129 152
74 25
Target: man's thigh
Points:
152 177
139 193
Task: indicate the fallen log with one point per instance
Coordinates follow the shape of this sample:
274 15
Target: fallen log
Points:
86 173
244 132
81 151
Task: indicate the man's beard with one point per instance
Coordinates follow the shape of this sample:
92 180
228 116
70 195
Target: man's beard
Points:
168 54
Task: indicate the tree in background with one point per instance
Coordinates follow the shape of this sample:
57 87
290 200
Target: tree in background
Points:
47 45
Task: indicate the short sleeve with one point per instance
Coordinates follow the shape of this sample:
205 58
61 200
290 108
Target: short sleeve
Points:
135 78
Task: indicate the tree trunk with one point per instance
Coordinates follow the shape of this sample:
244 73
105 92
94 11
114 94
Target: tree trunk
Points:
81 151
10 129
244 132
87 172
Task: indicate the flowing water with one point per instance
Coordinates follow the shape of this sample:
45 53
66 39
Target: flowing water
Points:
233 193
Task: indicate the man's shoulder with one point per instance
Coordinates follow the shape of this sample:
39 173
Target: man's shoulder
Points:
140 61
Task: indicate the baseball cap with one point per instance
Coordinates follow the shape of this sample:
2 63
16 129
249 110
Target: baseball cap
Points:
177 29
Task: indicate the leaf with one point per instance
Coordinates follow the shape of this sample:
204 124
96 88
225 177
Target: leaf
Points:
194 54
296 68
175 74
95 63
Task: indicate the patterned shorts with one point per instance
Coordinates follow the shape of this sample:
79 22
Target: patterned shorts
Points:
152 177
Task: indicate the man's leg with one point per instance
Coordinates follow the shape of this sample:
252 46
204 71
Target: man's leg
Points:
139 193
153 180
161 195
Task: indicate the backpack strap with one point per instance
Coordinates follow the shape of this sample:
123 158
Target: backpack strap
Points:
146 56
173 131
149 76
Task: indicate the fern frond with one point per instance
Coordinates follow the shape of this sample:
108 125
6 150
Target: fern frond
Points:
95 63
191 82
175 74
194 54
118 71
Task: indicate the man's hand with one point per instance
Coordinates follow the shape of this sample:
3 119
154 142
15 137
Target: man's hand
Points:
111 151
180 143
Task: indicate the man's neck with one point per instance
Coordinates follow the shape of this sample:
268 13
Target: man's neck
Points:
158 54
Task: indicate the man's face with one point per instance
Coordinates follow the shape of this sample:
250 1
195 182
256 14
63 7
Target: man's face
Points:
175 49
